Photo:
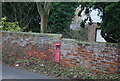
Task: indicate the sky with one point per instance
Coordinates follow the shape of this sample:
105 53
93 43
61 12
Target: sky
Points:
94 16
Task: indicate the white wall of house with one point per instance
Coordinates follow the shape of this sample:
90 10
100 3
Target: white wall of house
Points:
99 38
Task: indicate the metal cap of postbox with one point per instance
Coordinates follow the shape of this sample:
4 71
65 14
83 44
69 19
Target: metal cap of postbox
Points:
58 44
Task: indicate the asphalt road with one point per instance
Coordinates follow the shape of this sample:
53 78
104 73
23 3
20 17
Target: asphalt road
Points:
13 73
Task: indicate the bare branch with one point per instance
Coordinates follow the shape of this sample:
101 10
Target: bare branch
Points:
39 7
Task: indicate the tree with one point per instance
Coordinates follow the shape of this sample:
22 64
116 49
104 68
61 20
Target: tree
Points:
61 16
44 10
25 13
111 25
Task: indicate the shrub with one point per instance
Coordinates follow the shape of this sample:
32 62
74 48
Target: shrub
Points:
10 26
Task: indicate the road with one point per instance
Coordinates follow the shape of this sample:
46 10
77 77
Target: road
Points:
13 73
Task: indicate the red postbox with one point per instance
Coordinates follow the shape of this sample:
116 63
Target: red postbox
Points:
57 51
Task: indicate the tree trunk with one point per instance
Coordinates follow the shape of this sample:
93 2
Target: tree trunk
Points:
44 23
43 10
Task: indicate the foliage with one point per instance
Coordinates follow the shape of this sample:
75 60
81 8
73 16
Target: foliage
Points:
111 25
61 16
82 24
80 35
10 26
26 14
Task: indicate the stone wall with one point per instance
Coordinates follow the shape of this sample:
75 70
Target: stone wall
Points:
32 44
102 57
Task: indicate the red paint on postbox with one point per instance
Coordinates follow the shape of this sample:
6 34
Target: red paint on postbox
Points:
57 51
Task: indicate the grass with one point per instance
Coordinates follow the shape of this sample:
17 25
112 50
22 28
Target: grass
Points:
54 69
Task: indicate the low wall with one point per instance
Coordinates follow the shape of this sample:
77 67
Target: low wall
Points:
95 56
102 57
38 45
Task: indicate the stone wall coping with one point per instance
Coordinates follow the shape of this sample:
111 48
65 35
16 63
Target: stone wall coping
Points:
35 34
91 43
66 39
98 43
